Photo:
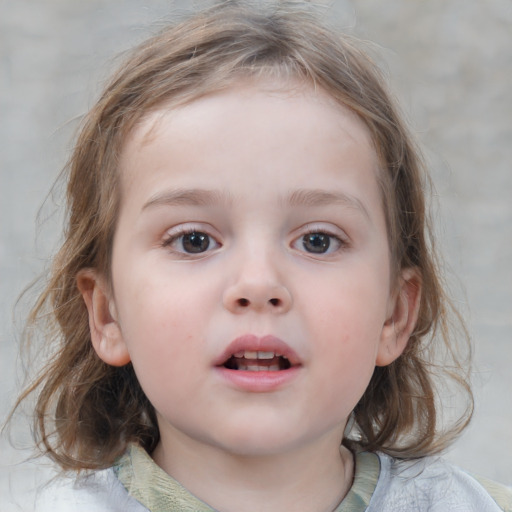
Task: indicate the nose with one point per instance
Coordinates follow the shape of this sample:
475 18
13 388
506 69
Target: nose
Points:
257 287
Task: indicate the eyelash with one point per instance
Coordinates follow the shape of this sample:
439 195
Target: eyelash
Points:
341 243
180 234
325 246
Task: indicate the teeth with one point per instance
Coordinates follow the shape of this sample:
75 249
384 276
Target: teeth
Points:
258 368
248 360
252 354
266 355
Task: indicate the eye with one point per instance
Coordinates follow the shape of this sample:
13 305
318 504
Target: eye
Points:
195 242
191 242
318 242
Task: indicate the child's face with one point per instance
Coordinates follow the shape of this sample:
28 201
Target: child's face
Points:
251 220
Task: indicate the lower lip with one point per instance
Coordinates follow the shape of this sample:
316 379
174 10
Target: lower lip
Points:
258 382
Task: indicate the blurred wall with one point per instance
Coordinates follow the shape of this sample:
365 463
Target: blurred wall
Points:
451 64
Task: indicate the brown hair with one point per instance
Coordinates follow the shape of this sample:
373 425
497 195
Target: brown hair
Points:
87 411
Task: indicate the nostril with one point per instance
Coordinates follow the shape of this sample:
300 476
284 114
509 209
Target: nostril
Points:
275 302
243 302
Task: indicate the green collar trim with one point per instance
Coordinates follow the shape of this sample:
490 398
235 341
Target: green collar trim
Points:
158 492
152 486
499 493
366 476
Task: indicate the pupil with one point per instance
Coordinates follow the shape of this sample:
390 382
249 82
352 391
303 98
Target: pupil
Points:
195 242
316 242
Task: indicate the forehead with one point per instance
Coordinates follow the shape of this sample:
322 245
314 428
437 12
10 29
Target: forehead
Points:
286 96
290 133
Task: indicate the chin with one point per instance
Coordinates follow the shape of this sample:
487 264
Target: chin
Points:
267 443
260 447
262 441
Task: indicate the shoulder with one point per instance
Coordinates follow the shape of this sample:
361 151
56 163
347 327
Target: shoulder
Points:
435 485
99 491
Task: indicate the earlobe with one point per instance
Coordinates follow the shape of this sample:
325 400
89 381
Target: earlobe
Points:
402 318
106 335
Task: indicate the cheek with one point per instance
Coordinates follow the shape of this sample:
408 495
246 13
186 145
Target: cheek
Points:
346 323
353 306
153 299
162 327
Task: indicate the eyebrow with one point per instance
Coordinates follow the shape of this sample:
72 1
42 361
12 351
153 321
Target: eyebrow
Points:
297 198
318 197
188 197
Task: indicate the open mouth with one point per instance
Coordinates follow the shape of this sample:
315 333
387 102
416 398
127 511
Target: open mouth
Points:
257 361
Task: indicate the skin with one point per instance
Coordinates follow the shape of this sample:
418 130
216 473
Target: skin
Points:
248 154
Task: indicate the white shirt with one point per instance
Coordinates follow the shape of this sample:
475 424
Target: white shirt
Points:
381 484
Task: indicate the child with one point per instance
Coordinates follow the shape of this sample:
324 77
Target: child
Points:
246 297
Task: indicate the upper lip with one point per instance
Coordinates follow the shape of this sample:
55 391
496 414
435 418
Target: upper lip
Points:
253 343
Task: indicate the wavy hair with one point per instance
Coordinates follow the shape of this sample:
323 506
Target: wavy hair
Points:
87 411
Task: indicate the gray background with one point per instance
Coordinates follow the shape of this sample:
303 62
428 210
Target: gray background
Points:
451 65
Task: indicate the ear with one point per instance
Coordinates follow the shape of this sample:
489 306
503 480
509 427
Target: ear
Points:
403 312
106 335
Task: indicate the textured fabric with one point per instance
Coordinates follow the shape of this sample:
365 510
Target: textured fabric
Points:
433 485
100 491
502 495
381 484
157 491
367 469
152 486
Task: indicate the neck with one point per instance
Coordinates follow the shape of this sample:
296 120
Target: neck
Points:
313 478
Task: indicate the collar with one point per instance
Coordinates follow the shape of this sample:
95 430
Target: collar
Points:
156 490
